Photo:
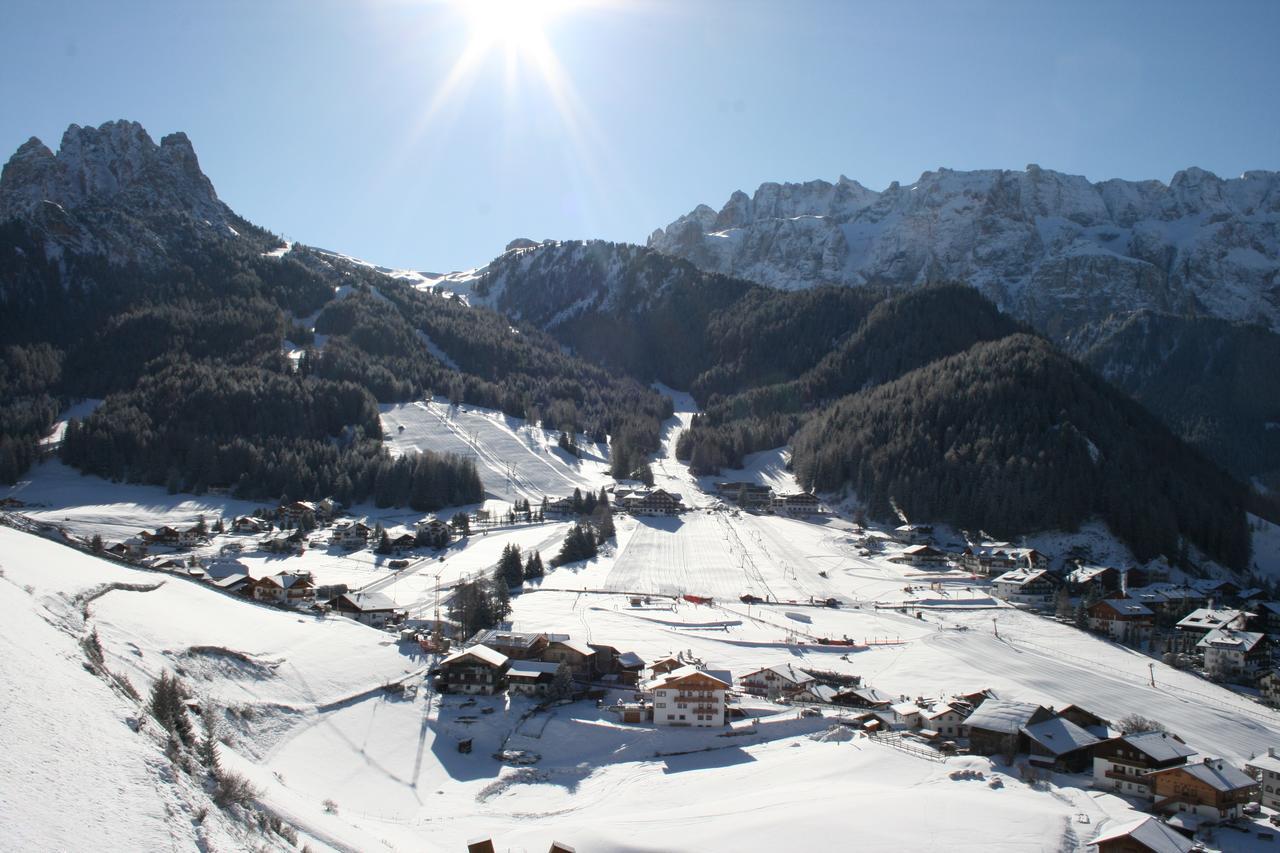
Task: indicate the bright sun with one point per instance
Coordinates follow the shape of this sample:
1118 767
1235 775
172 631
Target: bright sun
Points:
510 23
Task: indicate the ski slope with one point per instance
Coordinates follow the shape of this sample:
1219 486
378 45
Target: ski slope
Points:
516 461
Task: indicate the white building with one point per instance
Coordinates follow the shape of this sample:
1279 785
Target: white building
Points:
1025 586
1266 769
1122 764
1231 655
689 696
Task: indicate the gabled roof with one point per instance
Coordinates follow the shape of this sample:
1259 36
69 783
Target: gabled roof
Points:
1215 773
1264 762
824 692
367 602
630 660
479 652
574 645
869 695
1150 833
530 668
675 676
922 551
1125 606
1085 574
905 709
784 671
231 580
1059 735
510 639
999 715
1230 639
1022 577
1159 746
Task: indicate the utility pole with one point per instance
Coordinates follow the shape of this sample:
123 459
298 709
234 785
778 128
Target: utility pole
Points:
1152 667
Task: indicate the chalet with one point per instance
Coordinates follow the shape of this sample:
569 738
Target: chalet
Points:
285 588
797 505
921 555
862 697
749 496
1210 789
164 563
947 718
1099 580
913 533
630 668
1122 619
292 544
1026 586
906 715
1124 764
531 677
815 692
433 532
351 534
162 536
670 663
295 511
1174 601
995 728
579 656
773 681
689 696
369 608
1086 720
988 562
250 524
403 542
560 507
653 502
1266 770
513 644
1033 559
475 669
133 547
1059 744
1145 834
1235 656
1217 589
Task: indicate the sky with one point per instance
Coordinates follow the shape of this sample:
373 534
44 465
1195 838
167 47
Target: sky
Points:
426 134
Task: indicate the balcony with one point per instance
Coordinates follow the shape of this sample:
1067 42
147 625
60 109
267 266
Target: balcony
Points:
1128 777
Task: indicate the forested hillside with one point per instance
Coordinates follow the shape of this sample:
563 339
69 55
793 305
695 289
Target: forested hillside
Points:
1011 436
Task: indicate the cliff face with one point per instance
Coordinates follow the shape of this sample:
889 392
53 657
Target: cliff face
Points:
113 191
1053 249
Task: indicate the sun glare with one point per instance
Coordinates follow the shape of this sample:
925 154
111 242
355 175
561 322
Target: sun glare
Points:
510 23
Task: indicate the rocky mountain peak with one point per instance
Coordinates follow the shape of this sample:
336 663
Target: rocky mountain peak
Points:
1053 248
115 163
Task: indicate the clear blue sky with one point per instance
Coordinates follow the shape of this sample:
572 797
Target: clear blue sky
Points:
323 120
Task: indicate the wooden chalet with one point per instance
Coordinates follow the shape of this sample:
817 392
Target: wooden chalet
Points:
531 677
1235 656
475 669
250 524
782 679
1210 789
652 502
351 534
579 656
1122 619
1124 764
284 588
369 608
514 644
921 556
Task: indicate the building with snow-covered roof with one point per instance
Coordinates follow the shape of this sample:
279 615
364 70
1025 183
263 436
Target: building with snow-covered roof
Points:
1096 579
995 728
577 655
1060 744
1236 656
531 677
920 555
689 696
475 669
1202 620
516 645
1144 834
1123 764
1124 620
863 697
779 680
1025 586
1266 770
947 718
1209 789
906 715
370 608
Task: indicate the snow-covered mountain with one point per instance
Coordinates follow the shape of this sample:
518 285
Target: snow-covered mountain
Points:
113 191
1053 249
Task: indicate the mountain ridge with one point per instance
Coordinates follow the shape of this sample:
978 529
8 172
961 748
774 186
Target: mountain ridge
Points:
1053 249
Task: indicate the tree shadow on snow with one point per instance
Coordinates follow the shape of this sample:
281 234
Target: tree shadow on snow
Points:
707 760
